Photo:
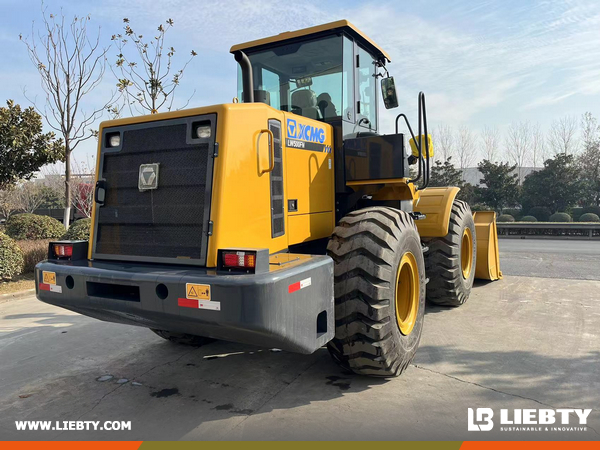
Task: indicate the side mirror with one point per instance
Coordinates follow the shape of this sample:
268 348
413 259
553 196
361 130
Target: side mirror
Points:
388 90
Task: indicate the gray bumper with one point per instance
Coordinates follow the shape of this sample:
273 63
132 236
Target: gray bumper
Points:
290 307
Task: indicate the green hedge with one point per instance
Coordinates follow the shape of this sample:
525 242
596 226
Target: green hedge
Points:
11 258
78 231
576 213
541 213
32 226
589 217
592 209
515 212
528 219
561 217
505 218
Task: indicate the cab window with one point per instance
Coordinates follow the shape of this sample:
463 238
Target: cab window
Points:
366 105
302 77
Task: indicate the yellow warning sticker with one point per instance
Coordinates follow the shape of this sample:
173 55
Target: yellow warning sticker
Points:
197 291
49 277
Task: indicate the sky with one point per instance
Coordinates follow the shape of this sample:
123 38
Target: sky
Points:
479 62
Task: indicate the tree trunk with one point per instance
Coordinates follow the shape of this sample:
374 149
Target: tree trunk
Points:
67 216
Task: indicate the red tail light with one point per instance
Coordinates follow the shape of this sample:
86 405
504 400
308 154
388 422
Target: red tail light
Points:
242 260
63 250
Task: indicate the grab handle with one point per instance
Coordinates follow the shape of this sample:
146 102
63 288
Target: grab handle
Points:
271 150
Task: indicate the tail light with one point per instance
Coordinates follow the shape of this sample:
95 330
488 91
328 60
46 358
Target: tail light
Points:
239 260
67 250
63 250
245 260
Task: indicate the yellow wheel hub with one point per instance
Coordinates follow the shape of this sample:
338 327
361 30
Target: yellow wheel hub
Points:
466 253
407 293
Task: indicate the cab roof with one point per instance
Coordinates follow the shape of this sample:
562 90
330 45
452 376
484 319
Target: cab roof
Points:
342 25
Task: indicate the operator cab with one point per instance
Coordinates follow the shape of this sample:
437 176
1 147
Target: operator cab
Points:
325 73
330 73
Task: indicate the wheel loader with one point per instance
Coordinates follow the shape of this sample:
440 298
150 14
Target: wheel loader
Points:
284 219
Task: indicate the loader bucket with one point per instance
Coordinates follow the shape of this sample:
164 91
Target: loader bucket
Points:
488 257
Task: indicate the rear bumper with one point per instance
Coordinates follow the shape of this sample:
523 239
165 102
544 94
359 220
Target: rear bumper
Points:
290 307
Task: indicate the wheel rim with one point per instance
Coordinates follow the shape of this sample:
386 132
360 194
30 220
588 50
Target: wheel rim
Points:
466 253
407 293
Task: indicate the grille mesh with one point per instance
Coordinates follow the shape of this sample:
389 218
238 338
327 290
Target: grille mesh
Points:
162 223
277 211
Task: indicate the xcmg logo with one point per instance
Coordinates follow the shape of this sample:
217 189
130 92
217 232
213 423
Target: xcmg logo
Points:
296 130
528 419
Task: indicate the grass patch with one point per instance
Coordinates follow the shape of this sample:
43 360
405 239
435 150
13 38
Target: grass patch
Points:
20 283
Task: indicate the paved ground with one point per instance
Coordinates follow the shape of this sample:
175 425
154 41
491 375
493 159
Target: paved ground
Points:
571 259
518 343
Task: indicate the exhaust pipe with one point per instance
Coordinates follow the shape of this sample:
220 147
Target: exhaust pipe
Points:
247 82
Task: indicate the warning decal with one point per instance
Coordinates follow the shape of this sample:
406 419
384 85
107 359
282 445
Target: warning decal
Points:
198 304
50 287
197 291
299 285
49 277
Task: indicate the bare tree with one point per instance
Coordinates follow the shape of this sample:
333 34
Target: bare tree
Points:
562 136
150 84
589 159
518 145
538 146
443 142
590 130
83 188
71 64
30 196
8 202
491 143
465 148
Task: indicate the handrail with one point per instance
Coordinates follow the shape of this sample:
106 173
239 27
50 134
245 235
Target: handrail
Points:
424 163
271 140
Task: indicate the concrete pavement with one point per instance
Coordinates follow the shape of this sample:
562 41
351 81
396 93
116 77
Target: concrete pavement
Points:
566 259
518 343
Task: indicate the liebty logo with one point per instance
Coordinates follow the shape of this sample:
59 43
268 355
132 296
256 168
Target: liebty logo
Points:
483 415
543 419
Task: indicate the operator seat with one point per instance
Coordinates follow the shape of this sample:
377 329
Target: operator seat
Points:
326 108
304 102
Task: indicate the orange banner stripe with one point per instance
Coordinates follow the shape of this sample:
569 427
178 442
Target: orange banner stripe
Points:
529 445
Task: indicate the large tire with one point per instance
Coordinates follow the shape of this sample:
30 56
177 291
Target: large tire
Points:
183 339
368 247
450 261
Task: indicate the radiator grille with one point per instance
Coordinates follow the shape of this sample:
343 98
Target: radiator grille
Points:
277 209
167 222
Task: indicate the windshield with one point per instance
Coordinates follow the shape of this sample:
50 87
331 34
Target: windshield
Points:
304 78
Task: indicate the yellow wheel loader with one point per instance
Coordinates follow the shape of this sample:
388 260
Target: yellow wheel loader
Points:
286 219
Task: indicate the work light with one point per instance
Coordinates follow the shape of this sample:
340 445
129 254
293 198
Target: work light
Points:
203 131
114 140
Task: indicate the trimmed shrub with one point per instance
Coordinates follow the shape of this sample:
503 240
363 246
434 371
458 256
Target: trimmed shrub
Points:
78 231
505 218
515 212
592 209
576 213
527 219
32 226
541 213
589 217
34 251
560 217
11 258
